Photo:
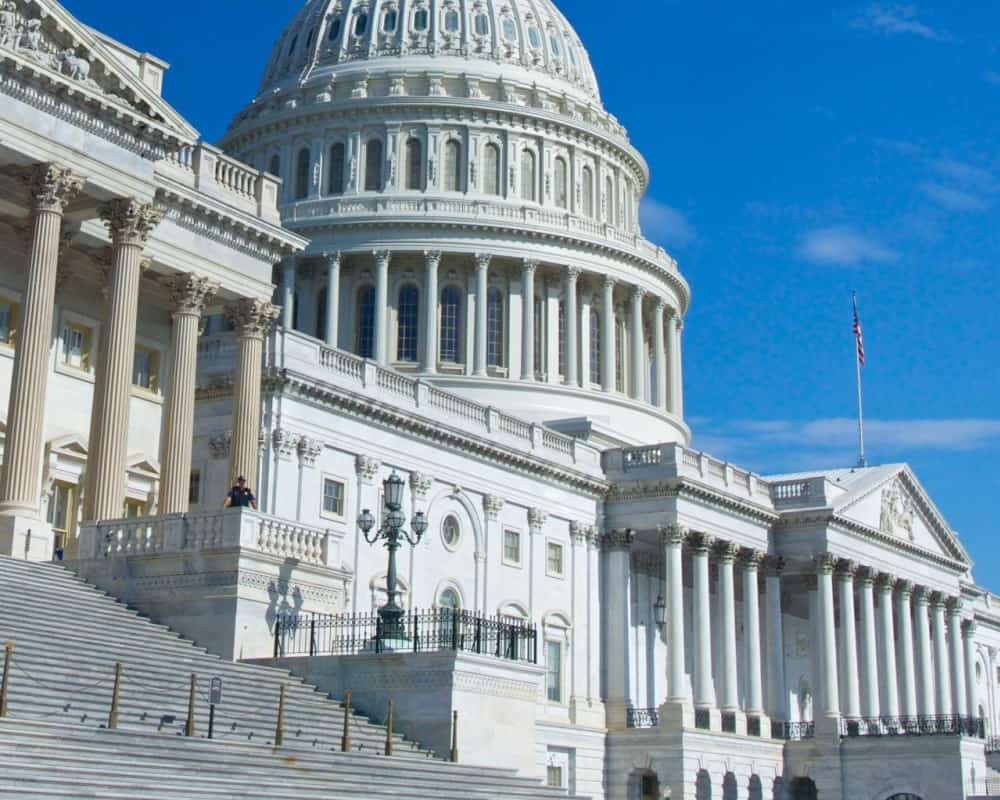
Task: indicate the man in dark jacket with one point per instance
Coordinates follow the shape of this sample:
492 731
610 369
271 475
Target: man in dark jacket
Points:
240 495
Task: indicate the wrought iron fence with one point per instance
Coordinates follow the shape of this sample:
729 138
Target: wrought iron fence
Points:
753 726
426 631
993 744
642 717
728 722
702 719
937 725
793 731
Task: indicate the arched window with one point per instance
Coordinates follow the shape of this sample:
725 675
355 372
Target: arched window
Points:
494 327
361 25
562 198
449 600
421 19
451 309
595 346
373 165
452 166
335 25
366 322
509 31
609 200
274 167
554 45
408 314
534 38
528 175
452 21
414 164
309 38
335 182
389 21
482 24
302 174
491 169
587 190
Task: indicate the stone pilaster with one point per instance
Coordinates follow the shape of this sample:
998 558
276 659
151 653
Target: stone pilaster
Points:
130 223
51 187
251 318
189 293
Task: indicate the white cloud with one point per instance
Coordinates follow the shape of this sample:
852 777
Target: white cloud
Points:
952 198
844 246
894 19
960 186
665 224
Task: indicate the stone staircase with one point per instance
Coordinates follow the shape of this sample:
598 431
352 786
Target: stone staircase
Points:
54 742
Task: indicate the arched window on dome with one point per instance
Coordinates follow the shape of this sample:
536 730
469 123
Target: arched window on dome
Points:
335 182
373 165
595 346
361 24
494 327
534 37
491 169
274 166
554 45
452 21
302 165
292 45
421 19
481 24
609 200
334 33
528 188
408 320
389 21
451 323
309 38
414 164
562 195
365 337
587 191
509 30
452 166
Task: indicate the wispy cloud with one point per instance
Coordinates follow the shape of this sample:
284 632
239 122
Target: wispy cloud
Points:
959 186
896 19
844 246
665 224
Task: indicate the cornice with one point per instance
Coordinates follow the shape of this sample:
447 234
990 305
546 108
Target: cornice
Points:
683 487
853 526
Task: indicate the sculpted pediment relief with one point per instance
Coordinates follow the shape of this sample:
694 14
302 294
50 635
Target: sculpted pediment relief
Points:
896 516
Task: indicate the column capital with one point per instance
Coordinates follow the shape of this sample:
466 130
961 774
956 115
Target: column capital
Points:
825 563
637 294
955 606
492 506
432 258
482 261
608 283
867 576
938 600
578 531
129 221
330 258
725 551
922 595
885 581
700 542
536 519
367 468
659 305
528 266
618 540
572 273
751 558
382 257
673 534
968 628
846 569
904 587
251 316
189 293
774 566
52 187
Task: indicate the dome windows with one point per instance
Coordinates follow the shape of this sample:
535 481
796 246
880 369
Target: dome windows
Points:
562 196
389 21
528 173
451 533
451 315
337 163
408 312
509 31
302 169
534 37
421 20
452 166
414 165
554 45
494 327
587 192
491 169
481 24
335 25
452 21
373 165
361 24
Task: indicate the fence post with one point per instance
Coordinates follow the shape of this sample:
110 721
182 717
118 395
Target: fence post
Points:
189 725
388 731
277 633
345 739
279 728
8 654
454 630
312 635
113 714
454 738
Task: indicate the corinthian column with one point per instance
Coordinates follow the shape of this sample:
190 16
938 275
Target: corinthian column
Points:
904 620
432 260
528 268
380 340
52 187
675 392
252 318
700 544
673 546
572 330
751 561
482 286
130 224
848 640
887 647
830 690
189 293
288 268
658 395
729 701
958 688
922 623
969 662
942 674
869 653
637 345
617 545
332 261
608 354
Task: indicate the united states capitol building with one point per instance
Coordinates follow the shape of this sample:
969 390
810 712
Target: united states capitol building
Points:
417 251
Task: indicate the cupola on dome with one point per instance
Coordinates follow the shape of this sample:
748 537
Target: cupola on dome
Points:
528 41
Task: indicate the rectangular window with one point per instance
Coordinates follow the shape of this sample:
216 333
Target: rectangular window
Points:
512 547
333 498
553 671
77 340
554 559
61 512
146 368
135 508
9 312
194 486
554 776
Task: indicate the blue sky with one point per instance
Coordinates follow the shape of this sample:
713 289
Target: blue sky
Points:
798 151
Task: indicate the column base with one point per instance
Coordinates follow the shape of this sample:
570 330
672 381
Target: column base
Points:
733 721
828 726
615 714
676 715
587 712
26 537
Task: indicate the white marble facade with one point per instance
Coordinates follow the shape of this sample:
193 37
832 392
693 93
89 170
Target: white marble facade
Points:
429 199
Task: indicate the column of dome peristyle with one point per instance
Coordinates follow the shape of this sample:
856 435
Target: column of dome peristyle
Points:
332 261
482 284
637 354
528 268
188 294
381 333
658 395
251 318
572 274
130 224
675 390
608 350
432 260
52 187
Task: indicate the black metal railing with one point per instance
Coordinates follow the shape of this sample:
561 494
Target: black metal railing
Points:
793 731
753 726
993 744
703 719
642 717
728 722
936 725
426 631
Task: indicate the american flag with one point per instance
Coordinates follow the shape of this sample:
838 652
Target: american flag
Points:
857 331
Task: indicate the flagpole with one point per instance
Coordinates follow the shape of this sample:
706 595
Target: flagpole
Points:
862 461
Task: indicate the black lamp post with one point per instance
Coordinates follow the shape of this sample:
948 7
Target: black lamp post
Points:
391 614
660 611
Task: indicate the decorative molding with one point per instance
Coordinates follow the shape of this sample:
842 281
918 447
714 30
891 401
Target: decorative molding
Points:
367 468
309 451
129 221
492 506
537 518
618 540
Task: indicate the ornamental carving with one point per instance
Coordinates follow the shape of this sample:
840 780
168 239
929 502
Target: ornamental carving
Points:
536 519
129 221
52 187
367 468
673 534
218 445
251 317
309 451
189 293
618 540
896 518
284 443
420 484
493 505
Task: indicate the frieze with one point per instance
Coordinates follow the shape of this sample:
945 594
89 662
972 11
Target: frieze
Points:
244 239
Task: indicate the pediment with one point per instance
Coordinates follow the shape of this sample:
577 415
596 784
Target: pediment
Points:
898 507
42 35
71 445
137 462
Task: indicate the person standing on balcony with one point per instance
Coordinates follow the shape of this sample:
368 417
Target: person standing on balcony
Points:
240 496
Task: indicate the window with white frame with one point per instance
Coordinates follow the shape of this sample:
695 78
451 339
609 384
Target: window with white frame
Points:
512 547
494 327
146 368
553 670
408 311
77 344
491 169
9 315
554 776
333 497
595 346
554 559
451 309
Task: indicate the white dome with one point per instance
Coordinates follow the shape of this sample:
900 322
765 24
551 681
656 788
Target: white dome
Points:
527 41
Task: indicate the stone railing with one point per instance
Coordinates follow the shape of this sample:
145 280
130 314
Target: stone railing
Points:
207 169
344 208
800 493
240 529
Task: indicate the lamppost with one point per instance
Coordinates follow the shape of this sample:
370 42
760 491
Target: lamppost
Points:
391 614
